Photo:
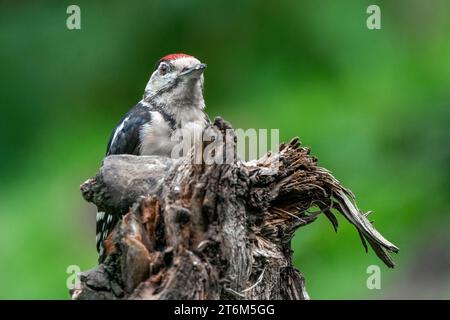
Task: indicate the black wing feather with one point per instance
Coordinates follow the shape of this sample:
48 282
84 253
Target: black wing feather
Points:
126 140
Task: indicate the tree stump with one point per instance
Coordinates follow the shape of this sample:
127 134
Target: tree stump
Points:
213 231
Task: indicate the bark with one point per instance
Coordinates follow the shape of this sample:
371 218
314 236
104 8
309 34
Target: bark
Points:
213 231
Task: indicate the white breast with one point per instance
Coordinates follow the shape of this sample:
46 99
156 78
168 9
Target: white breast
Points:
155 137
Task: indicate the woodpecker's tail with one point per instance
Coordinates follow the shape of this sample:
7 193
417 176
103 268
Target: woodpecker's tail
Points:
105 224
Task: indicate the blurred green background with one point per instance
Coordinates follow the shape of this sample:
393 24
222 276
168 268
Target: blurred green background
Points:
372 104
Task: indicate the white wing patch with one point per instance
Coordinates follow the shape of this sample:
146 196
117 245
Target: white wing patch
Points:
100 215
119 128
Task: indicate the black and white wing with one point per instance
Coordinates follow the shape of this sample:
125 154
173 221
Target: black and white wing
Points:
125 139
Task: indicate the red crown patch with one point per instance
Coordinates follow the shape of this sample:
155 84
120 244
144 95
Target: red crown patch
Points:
174 56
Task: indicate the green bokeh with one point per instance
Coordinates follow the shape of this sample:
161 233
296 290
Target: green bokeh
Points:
372 104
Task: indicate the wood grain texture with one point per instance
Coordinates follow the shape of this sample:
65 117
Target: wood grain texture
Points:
218 231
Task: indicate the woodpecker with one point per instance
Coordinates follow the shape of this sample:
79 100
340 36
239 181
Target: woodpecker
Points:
173 99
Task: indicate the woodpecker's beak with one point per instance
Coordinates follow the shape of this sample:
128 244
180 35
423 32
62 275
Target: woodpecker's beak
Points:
195 70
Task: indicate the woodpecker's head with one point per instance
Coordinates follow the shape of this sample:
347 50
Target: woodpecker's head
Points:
178 78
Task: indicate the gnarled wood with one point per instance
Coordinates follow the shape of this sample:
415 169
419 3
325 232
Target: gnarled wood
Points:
219 231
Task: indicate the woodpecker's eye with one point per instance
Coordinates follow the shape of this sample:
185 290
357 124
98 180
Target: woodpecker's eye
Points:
164 68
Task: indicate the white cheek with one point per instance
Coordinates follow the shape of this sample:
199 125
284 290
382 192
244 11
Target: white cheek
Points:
158 82
153 83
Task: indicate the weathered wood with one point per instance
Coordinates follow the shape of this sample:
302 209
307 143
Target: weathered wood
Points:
219 231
